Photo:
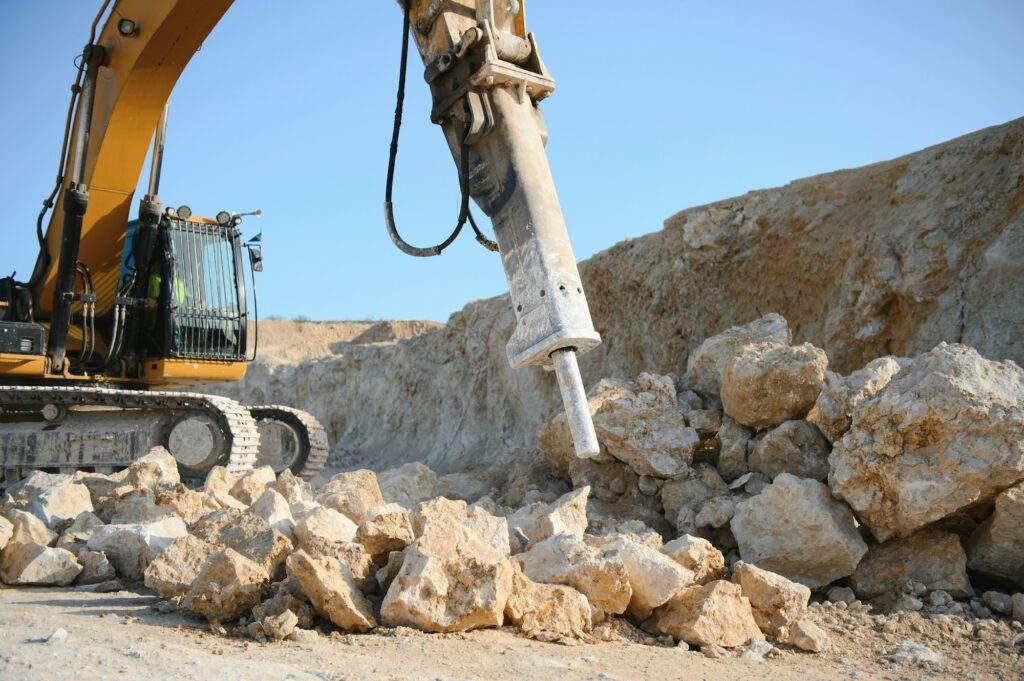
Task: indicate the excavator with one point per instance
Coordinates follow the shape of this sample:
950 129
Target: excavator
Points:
124 315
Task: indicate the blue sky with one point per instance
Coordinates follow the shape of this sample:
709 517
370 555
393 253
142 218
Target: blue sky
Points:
657 110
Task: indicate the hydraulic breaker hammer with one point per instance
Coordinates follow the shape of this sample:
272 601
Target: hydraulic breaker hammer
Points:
487 79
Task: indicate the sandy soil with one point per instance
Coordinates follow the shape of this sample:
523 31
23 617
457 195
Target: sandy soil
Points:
120 635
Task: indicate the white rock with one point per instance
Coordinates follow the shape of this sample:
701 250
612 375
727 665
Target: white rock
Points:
274 508
96 569
768 383
777 602
131 547
706 363
28 529
6 530
806 635
408 484
697 555
61 503
833 410
352 493
909 652
331 588
23 564
713 614
172 572
932 557
795 528
250 486
796 447
540 521
565 559
997 546
653 577
641 425
327 524
944 434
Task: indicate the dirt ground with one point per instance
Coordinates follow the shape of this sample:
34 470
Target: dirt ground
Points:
120 635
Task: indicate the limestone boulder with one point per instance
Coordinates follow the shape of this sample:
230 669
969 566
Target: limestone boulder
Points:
332 590
456 576
351 554
6 531
220 479
408 484
274 508
932 557
287 598
599 575
137 507
697 555
96 568
795 528
327 524
796 447
654 578
352 493
686 496
385 529
249 486
131 547
37 483
997 547
293 489
156 471
28 529
946 433
642 426
547 612
777 602
175 568
540 521
768 383
387 573
37 564
806 635
60 504
228 586
188 504
732 448
249 535
834 407
705 365
716 613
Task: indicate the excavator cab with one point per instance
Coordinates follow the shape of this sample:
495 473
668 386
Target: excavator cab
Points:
195 306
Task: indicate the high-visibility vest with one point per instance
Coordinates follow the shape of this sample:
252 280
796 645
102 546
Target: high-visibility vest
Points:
155 281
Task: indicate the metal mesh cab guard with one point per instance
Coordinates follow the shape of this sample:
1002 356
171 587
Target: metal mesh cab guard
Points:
202 280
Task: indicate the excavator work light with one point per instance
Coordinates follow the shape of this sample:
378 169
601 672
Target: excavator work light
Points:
223 218
127 28
184 212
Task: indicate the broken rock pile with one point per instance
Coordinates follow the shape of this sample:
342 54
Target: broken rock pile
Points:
903 481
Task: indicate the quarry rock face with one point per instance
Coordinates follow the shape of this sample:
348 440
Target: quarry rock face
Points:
716 613
931 557
997 546
768 383
795 528
945 433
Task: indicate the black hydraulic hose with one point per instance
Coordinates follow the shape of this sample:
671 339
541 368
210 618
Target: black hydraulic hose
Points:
389 212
